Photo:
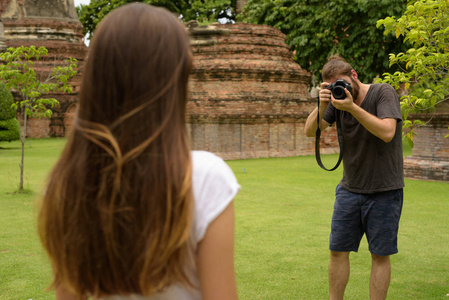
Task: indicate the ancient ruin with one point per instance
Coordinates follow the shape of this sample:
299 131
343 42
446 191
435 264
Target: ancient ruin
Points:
53 24
430 155
248 98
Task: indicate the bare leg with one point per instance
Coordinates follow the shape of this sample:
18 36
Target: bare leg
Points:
380 277
338 274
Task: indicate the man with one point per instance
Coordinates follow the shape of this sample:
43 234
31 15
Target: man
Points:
369 197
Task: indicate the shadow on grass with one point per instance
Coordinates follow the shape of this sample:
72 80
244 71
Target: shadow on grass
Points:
22 192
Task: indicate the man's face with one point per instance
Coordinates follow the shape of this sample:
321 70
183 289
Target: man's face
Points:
354 84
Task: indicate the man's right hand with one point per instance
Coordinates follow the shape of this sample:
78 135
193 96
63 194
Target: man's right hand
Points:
311 122
325 94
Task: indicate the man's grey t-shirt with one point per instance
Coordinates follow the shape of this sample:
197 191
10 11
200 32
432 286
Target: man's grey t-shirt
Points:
371 165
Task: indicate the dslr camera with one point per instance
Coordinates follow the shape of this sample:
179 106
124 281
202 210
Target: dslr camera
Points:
338 88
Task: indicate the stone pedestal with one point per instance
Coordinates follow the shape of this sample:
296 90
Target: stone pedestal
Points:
430 154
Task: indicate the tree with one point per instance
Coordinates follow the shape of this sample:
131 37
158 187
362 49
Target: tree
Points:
424 67
316 29
9 126
19 74
202 10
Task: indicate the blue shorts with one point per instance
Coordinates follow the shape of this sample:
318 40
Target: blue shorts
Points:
376 215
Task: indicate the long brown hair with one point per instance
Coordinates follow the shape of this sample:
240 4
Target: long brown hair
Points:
116 214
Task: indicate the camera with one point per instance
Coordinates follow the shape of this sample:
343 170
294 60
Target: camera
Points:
338 88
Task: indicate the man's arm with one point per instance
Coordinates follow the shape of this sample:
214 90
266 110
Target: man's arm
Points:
311 123
384 129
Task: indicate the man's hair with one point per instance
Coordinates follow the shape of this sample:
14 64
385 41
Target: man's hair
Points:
336 66
117 211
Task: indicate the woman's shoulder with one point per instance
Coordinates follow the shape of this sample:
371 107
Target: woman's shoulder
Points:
208 164
204 157
214 187
200 156
210 168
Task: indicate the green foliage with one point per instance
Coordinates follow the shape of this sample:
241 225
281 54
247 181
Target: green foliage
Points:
9 126
19 74
6 100
424 66
316 29
9 130
205 11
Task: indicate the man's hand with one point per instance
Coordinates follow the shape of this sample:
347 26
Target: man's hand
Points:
311 123
325 94
346 104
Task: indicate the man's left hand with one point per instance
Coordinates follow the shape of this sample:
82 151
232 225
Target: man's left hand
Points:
346 104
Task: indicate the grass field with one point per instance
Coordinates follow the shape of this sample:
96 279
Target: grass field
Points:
282 227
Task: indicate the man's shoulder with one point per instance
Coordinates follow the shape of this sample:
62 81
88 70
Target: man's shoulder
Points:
383 87
382 91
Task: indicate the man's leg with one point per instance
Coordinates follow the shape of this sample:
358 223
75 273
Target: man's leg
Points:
381 216
380 277
338 274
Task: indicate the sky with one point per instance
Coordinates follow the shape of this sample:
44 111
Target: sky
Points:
78 2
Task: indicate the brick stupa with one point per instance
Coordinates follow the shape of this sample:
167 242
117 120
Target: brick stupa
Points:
248 98
53 24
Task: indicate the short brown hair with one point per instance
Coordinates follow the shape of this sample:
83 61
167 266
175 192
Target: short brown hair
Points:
336 66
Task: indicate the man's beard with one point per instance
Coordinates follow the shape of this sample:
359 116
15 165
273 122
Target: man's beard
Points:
355 89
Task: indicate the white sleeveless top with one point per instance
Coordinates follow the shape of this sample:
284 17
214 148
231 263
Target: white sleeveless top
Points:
214 187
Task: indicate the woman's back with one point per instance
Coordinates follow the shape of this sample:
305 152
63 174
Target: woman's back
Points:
117 214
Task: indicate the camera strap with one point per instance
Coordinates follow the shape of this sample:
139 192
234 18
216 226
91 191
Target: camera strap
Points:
318 135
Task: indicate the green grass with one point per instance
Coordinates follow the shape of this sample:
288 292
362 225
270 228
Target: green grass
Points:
283 217
24 269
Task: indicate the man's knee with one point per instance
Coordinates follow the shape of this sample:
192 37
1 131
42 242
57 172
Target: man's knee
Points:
379 259
339 256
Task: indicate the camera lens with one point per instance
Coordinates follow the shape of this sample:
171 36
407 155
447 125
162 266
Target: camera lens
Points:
339 92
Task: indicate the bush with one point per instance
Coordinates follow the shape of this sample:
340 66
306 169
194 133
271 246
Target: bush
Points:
6 100
9 130
9 126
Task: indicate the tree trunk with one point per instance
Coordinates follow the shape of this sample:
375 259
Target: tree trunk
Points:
22 139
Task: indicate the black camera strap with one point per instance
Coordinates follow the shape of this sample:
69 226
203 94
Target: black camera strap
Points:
318 135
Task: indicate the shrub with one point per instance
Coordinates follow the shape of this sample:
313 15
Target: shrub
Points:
9 130
9 126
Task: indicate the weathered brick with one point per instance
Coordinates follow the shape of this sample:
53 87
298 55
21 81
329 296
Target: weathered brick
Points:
430 154
247 98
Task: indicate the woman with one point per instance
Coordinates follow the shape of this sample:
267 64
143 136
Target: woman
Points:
129 209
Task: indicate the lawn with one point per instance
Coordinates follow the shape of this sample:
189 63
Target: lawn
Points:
282 227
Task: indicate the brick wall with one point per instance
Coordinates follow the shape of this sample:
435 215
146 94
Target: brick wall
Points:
430 154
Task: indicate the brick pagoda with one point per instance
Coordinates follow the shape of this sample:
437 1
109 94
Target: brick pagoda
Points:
248 98
53 24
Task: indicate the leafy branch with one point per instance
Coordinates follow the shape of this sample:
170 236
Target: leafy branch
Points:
18 71
424 67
